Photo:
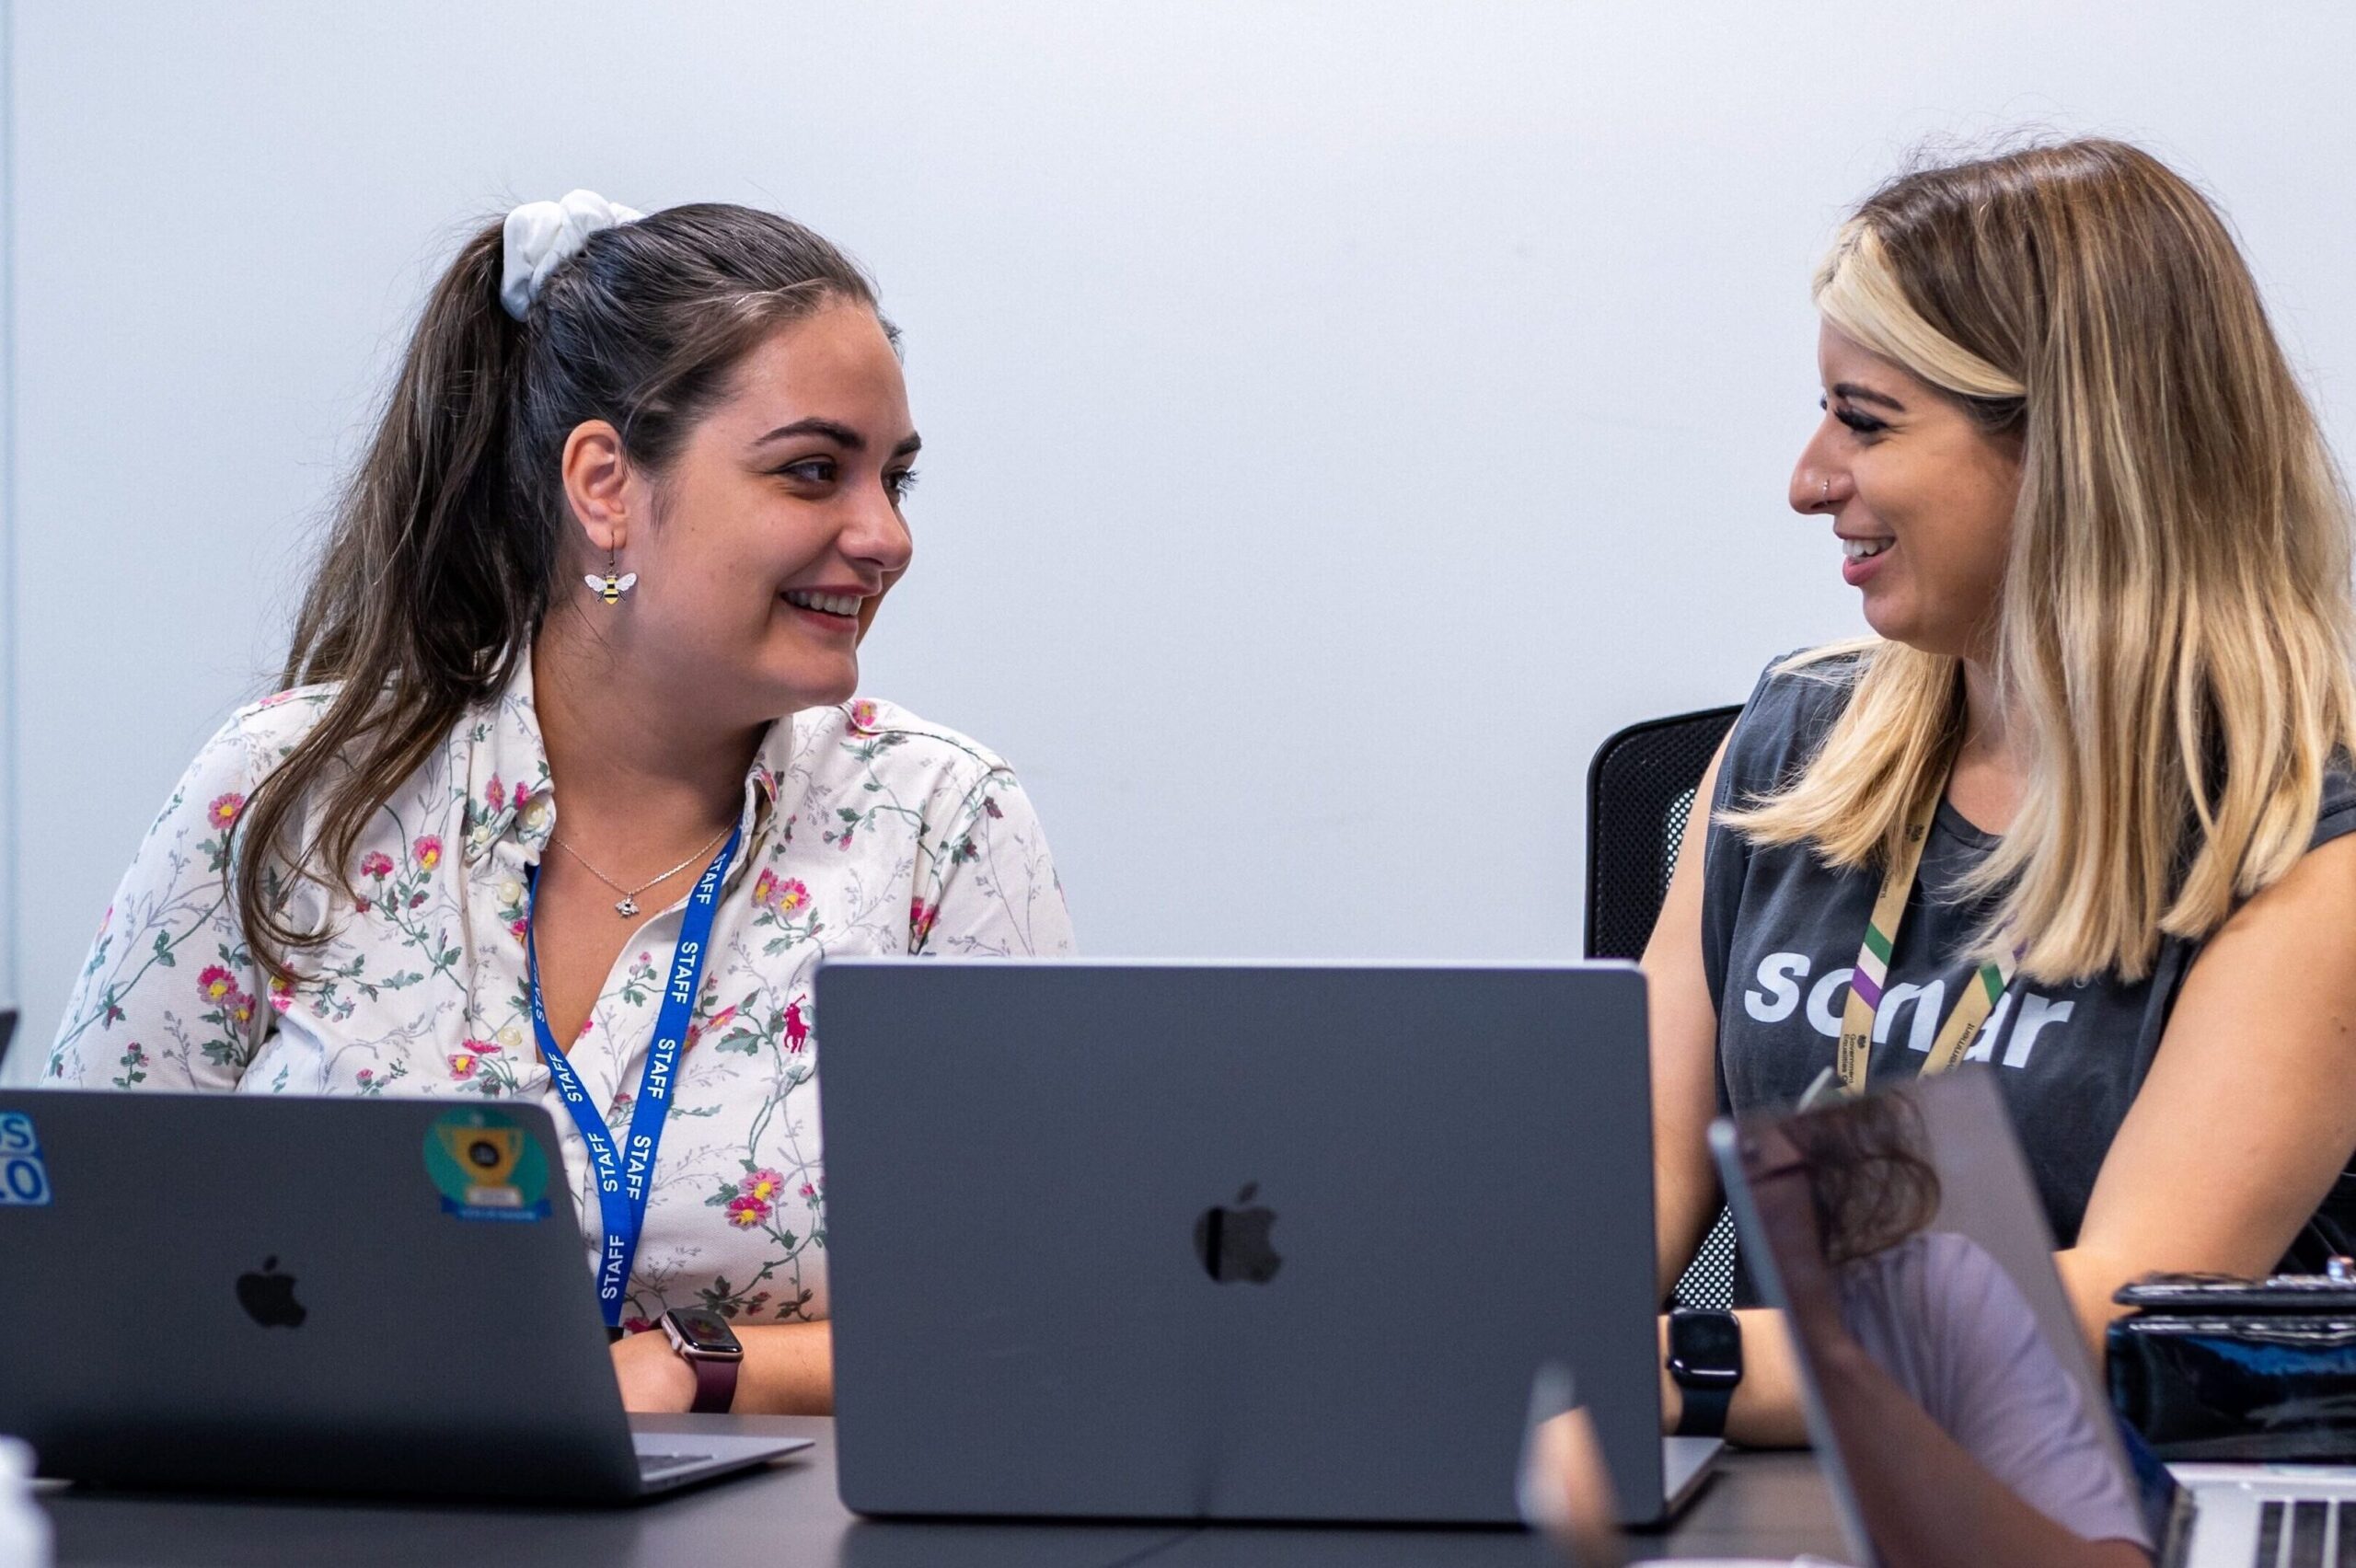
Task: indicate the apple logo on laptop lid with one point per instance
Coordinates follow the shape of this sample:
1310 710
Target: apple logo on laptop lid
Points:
1233 1242
268 1296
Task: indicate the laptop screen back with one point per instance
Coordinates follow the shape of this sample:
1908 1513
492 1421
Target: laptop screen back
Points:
1903 1223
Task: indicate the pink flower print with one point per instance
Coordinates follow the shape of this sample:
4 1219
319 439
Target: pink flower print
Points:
764 1184
809 1193
361 904
282 993
494 793
717 1020
862 715
797 1031
523 793
364 1076
745 1213
519 928
844 842
241 1007
920 918
428 852
218 983
989 805
225 809
785 894
462 1063
376 864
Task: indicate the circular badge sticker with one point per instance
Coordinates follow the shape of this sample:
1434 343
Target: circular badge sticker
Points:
486 1166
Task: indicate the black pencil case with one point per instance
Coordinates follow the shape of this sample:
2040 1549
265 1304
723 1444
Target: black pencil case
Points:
2238 1369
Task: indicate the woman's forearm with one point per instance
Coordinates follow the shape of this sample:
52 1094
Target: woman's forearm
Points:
789 1370
1766 1409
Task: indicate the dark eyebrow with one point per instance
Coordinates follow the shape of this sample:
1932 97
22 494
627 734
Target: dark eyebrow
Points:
1856 394
841 434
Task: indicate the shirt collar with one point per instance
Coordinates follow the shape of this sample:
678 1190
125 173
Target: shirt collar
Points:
505 764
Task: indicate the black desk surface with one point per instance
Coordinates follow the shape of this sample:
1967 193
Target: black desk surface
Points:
1770 1505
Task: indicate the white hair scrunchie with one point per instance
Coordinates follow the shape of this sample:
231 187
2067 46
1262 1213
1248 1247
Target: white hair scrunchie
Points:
542 235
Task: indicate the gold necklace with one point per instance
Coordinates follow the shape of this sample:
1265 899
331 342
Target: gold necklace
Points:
628 905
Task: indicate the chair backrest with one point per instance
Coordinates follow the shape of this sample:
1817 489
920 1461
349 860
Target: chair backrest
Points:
1639 799
1639 803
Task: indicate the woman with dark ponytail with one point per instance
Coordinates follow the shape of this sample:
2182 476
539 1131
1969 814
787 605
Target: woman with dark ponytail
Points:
568 792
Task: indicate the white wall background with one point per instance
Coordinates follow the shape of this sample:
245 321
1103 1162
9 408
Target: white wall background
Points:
1338 417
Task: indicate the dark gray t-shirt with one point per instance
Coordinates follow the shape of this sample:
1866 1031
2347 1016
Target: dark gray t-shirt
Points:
1779 940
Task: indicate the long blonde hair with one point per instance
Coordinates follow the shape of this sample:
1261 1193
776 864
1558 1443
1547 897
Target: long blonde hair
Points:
2175 626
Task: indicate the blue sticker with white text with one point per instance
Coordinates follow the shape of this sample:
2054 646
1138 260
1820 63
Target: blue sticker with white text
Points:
24 1177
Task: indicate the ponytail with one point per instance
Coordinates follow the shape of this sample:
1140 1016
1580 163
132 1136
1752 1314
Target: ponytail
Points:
446 544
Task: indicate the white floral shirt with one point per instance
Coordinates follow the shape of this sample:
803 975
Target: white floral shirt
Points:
866 830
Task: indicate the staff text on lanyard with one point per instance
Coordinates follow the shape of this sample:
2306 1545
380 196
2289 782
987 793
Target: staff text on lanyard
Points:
624 1171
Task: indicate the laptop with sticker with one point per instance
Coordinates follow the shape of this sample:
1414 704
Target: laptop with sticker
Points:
268 1294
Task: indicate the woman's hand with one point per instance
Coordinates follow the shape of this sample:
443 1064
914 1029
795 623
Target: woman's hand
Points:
654 1380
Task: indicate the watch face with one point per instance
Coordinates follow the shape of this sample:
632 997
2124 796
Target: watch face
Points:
703 1330
1707 1341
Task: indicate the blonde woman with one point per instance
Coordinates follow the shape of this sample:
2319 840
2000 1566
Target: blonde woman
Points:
2080 808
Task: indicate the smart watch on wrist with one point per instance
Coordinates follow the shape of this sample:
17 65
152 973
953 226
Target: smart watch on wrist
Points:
1706 1360
705 1342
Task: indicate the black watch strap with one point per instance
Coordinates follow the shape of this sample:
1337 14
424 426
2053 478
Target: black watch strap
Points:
1704 1413
1705 1362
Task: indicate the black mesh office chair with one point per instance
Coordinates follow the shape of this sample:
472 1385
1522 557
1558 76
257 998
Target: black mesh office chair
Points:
1639 800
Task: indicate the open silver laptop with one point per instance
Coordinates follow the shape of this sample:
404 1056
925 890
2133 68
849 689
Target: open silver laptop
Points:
1235 1240
1908 1215
271 1293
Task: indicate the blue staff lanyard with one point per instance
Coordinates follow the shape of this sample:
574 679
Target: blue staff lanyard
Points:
626 1172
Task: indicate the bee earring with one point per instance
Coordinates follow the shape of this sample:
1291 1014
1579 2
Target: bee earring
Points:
610 587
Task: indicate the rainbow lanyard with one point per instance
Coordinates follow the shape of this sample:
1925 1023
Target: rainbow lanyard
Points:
1971 1010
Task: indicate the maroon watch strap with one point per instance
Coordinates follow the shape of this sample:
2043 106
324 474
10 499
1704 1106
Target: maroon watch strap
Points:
715 1383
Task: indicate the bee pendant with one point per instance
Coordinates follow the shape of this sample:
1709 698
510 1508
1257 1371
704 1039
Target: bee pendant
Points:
611 588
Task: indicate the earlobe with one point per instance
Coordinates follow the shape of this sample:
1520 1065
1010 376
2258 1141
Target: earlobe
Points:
596 473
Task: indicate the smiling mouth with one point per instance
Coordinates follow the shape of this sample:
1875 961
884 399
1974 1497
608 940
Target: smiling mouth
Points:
843 605
1865 550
